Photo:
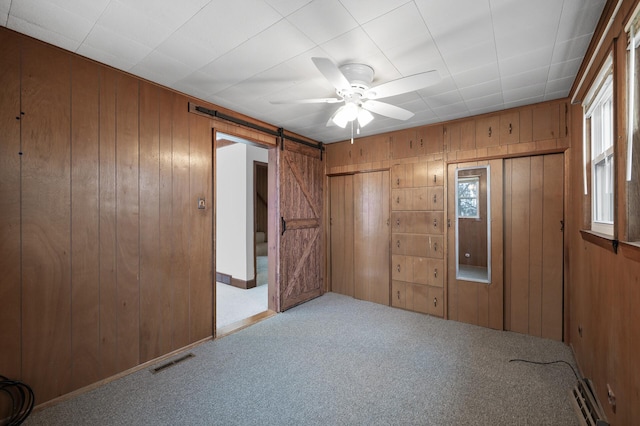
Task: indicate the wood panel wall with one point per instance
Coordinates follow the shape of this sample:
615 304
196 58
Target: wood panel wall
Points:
604 292
106 262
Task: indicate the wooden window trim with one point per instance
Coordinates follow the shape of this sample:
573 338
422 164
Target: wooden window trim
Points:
630 250
601 240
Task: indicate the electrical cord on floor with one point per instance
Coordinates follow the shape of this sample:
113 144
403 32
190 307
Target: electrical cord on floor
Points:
22 400
548 363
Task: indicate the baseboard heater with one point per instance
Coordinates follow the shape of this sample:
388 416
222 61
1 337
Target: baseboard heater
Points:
586 404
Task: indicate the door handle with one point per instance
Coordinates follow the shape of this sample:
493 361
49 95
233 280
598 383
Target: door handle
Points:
283 224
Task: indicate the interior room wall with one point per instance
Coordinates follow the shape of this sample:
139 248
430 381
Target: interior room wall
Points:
234 218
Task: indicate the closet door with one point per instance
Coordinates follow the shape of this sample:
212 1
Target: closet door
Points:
371 236
534 202
341 237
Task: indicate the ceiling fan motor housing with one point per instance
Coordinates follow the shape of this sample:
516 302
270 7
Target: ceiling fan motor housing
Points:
359 75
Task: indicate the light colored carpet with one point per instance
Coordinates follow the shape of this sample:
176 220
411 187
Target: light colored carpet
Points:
339 361
235 304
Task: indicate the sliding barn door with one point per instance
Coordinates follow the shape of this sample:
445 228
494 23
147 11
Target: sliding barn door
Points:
534 200
301 260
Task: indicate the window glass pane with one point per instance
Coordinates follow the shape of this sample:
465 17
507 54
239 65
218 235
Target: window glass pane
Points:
468 189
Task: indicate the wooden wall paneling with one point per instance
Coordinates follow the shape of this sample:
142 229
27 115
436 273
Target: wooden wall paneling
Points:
164 286
546 121
108 364
403 143
420 173
434 139
468 135
401 175
488 131
338 154
419 297
553 247
341 223
435 272
398 294
526 125
46 218
435 302
508 194
535 245
468 299
181 223
509 127
371 237
150 262
496 289
520 243
85 221
435 173
201 277
10 332
452 287
127 221
435 198
401 199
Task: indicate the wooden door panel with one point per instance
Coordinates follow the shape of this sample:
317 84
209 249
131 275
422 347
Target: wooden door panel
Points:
301 253
435 174
341 227
371 236
420 174
534 245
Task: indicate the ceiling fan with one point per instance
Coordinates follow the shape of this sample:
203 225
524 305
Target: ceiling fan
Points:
353 87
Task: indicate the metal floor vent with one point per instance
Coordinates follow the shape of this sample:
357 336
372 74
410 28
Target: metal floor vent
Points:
586 405
171 363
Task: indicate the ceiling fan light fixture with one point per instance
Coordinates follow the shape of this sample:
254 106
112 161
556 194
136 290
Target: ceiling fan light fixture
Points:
364 117
345 114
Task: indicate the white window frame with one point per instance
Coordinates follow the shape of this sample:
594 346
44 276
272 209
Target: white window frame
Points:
599 110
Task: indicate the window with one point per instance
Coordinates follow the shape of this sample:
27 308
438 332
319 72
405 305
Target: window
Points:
468 192
599 140
632 166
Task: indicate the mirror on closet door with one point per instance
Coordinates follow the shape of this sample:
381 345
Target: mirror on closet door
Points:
473 224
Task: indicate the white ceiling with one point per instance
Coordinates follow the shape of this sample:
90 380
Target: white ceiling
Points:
491 54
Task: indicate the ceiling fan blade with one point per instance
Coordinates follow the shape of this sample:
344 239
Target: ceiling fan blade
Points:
403 85
332 73
307 101
387 110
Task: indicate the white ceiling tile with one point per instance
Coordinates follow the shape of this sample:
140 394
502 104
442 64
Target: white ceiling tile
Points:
564 69
512 17
366 11
323 20
161 69
445 85
354 46
5 5
444 99
493 102
472 20
525 92
51 19
41 33
451 109
131 23
223 25
527 78
470 56
522 63
256 55
481 90
571 49
397 28
90 10
560 85
191 52
103 43
169 13
475 76
579 18
286 7
522 43
555 95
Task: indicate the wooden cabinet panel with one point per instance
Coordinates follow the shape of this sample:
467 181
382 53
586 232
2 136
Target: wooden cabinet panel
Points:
509 128
435 173
403 144
402 175
461 136
368 150
417 245
434 139
420 199
401 199
398 294
435 272
488 131
435 246
435 198
418 298
546 121
338 154
420 222
420 173
435 302
399 268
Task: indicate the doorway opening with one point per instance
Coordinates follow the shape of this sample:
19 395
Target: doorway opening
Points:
241 227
